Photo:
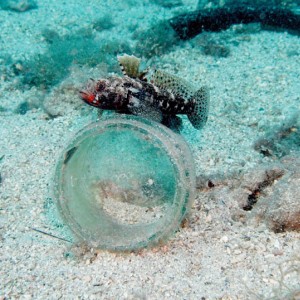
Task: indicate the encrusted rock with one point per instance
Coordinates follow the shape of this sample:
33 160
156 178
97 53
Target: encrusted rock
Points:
279 207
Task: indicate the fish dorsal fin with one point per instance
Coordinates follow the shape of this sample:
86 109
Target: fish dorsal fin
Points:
172 84
130 65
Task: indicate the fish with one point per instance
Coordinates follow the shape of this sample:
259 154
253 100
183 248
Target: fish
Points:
161 98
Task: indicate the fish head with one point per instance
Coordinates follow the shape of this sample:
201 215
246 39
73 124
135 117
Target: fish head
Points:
92 94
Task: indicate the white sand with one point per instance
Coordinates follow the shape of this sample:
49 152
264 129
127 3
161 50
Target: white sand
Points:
216 257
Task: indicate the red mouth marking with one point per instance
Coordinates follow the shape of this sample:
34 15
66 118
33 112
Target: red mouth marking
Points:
92 90
88 97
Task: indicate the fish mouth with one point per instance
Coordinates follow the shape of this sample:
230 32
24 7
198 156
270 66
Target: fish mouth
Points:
93 91
89 94
88 97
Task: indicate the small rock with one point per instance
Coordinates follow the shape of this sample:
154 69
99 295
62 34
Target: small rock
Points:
216 50
278 205
18 5
224 239
86 278
277 252
23 108
103 23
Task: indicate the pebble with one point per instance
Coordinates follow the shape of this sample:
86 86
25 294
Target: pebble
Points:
86 278
277 252
237 251
18 5
224 239
208 219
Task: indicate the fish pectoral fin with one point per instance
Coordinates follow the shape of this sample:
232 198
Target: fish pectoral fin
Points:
199 115
99 113
172 121
147 111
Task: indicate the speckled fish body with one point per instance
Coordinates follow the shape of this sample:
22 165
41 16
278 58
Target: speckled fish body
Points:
163 98
128 95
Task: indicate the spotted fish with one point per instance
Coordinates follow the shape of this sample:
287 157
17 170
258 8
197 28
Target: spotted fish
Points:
161 99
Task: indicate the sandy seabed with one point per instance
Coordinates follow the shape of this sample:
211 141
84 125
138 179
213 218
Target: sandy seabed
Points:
224 252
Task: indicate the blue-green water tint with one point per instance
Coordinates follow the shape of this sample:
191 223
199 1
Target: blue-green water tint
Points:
92 43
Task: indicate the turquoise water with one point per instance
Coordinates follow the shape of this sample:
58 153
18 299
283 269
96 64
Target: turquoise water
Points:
245 54
46 45
49 41
246 156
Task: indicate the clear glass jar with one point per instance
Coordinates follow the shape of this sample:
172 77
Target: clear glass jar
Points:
125 183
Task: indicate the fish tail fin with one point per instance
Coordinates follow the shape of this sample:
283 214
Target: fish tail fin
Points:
199 115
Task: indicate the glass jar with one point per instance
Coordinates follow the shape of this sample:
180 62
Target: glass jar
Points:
125 183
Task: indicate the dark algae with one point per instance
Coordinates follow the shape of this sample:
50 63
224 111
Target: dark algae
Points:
191 24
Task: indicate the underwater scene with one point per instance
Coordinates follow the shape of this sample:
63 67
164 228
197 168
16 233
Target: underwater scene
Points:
150 149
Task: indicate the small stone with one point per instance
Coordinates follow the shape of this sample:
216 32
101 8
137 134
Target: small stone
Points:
208 219
277 252
18 5
23 108
19 67
224 239
216 50
86 278
103 23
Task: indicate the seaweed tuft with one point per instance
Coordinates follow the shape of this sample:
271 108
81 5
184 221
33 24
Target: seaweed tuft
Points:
48 69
